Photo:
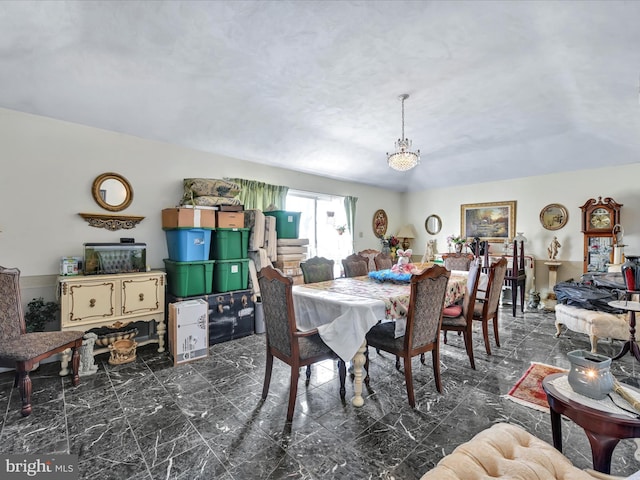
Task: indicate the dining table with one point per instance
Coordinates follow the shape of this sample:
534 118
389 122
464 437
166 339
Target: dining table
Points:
344 309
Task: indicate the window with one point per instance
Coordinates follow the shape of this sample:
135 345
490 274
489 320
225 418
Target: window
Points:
321 216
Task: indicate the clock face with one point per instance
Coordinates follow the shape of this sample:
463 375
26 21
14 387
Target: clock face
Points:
600 218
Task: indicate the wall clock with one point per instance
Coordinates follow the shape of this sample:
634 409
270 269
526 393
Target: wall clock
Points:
380 223
598 220
554 216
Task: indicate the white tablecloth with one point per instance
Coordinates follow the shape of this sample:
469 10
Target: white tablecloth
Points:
342 320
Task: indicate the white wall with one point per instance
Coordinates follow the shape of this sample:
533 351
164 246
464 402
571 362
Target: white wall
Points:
532 194
48 167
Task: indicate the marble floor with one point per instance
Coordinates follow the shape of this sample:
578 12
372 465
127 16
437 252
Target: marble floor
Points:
204 420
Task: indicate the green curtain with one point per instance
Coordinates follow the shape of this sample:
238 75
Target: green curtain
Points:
350 209
259 195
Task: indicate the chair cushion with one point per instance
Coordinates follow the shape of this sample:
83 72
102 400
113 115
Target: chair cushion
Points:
382 335
31 345
452 311
313 346
460 321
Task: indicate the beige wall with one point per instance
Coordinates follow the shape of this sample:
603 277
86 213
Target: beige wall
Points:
48 167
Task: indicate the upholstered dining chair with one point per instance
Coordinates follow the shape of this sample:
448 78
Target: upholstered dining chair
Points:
317 269
383 261
422 334
369 254
284 341
21 350
486 308
457 261
355 266
460 318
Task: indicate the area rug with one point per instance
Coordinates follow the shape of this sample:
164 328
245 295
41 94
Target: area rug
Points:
528 390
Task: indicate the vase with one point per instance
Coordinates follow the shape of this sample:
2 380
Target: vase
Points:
385 247
458 247
631 272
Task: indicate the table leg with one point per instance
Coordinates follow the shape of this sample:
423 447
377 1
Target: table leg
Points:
601 450
358 363
556 429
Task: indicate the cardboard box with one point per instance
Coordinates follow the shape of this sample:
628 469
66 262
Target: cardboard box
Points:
188 218
230 219
188 330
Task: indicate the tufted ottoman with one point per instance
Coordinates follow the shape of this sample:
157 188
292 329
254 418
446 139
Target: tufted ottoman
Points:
507 451
592 322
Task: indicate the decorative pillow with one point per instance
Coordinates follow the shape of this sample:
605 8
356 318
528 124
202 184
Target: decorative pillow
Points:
452 311
208 201
209 187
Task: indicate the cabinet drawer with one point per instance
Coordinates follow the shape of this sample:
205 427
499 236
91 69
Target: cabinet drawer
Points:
141 295
89 302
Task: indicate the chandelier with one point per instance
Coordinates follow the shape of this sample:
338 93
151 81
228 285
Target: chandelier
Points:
403 159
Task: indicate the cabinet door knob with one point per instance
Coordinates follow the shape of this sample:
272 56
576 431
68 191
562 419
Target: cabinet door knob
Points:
92 302
141 296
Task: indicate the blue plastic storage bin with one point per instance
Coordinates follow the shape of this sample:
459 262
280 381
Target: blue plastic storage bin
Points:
188 244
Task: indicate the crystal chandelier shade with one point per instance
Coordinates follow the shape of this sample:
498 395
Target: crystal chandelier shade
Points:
403 158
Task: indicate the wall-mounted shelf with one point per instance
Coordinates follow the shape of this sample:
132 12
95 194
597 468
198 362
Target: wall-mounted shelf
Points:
110 221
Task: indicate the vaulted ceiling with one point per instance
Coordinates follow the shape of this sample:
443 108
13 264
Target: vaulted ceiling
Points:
498 89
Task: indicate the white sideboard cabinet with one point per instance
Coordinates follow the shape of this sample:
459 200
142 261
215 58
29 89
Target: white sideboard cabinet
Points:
115 300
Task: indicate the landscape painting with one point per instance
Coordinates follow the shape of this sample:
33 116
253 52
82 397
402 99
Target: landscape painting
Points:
493 222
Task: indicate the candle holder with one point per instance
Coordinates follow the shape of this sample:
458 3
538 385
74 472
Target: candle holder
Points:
590 374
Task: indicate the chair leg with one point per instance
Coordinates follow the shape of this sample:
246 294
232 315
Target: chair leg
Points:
308 373
514 296
485 335
25 389
366 366
522 287
495 329
397 363
445 336
75 367
422 358
16 379
342 372
267 375
435 357
408 379
293 391
469 345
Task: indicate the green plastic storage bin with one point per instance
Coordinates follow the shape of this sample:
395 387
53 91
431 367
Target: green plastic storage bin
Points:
185 279
231 275
229 243
287 223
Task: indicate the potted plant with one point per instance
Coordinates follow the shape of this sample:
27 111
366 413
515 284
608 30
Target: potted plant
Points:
39 313
341 229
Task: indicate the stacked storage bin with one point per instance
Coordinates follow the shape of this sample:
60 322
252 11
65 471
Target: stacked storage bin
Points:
188 233
290 249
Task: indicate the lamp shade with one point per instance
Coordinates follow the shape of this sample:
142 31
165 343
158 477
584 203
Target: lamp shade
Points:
408 231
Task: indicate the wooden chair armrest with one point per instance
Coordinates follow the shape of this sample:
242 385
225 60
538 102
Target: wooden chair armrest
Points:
602 476
298 333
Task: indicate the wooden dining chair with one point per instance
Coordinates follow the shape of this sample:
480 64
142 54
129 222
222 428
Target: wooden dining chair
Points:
284 341
459 318
21 350
383 261
355 266
486 308
457 261
317 269
422 334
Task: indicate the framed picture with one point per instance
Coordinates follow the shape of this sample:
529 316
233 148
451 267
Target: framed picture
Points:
554 216
380 223
493 222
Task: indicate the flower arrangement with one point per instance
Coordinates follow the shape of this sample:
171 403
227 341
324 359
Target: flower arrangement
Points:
392 243
341 229
456 239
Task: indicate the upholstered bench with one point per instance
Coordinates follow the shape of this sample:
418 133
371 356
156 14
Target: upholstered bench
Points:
592 322
508 451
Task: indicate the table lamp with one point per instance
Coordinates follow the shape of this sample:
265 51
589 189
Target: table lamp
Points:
407 232
590 375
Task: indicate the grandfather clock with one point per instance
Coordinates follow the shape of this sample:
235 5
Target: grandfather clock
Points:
598 219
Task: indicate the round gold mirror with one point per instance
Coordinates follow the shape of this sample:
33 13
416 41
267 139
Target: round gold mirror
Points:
433 224
112 192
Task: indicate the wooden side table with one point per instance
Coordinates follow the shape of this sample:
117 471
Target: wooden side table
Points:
603 429
630 345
